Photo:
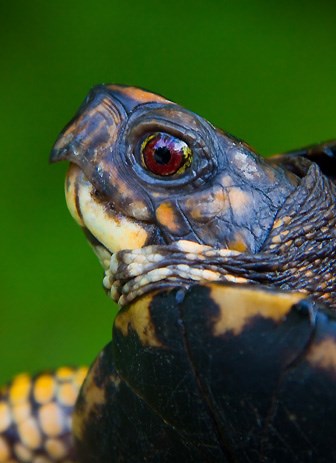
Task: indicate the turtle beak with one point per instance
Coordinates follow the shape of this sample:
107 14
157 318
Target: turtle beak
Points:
93 129
97 122
111 229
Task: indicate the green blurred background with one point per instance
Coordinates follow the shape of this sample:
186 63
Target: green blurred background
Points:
263 70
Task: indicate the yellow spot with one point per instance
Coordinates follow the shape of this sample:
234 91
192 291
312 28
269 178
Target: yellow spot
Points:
93 395
278 223
29 433
44 388
239 200
5 416
67 394
323 354
55 448
238 244
51 419
204 206
238 305
21 411
276 239
23 453
64 373
20 388
4 451
138 318
166 215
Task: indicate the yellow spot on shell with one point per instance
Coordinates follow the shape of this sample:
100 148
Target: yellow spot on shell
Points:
29 433
93 395
323 354
5 416
51 419
44 388
20 388
138 318
239 305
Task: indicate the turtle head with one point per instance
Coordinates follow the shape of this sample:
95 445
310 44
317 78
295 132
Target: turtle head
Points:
144 170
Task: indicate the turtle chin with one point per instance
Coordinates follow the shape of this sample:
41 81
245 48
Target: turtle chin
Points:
107 230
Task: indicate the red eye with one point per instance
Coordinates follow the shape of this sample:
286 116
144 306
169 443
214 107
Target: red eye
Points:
163 154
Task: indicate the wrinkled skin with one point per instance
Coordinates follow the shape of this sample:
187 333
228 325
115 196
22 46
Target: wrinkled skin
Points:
240 368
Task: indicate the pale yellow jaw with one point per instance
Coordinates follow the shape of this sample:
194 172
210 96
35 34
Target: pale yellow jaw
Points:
113 230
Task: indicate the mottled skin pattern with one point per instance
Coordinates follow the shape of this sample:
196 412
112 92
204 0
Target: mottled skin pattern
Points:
225 347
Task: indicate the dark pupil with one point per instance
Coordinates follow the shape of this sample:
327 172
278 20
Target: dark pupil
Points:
162 155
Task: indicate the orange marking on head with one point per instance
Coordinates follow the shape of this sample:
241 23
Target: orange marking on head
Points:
240 200
44 388
203 207
139 95
51 419
20 388
238 244
166 215
29 433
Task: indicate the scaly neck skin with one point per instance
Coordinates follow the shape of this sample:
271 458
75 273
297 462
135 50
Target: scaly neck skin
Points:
302 243
299 253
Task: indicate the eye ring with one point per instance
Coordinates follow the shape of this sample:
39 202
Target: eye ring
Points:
165 155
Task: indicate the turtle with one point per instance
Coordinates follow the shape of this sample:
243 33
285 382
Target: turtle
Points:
223 265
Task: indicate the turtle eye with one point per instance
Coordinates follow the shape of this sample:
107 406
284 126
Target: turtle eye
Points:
162 154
